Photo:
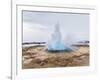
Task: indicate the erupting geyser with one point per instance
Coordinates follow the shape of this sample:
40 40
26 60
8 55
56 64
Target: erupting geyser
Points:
56 44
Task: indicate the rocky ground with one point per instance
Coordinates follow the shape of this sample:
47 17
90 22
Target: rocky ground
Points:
39 57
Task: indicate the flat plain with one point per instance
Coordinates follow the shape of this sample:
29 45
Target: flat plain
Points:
39 57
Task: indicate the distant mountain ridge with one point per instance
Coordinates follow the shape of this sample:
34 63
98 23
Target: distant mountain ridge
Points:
33 43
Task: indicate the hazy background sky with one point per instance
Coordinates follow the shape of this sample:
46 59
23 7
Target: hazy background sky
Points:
38 26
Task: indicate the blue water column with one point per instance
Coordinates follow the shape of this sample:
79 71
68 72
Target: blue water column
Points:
56 43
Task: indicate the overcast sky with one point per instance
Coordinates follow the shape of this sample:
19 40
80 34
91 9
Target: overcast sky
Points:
38 26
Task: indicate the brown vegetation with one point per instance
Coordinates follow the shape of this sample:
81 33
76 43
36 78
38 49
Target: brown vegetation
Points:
38 57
